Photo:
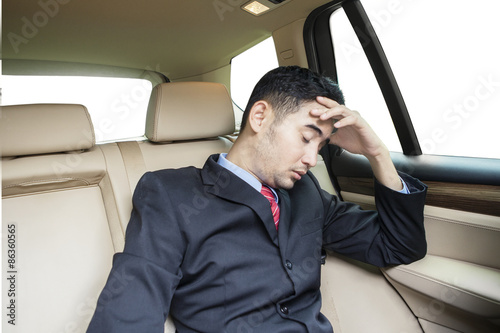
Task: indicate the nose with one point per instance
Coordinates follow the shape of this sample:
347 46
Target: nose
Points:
310 158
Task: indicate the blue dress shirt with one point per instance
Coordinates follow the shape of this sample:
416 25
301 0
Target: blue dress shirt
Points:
256 184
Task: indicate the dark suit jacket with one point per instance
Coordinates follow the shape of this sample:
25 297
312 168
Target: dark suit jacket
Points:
202 246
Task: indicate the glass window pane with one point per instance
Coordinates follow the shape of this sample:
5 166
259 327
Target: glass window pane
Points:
444 55
117 106
357 81
246 70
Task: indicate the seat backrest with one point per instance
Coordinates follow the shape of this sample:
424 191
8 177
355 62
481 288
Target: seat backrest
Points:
186 122
68 202
183 111
54 199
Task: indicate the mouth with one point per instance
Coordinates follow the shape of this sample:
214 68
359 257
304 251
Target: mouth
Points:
298 174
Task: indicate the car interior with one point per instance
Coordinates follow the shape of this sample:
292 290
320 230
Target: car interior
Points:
67 197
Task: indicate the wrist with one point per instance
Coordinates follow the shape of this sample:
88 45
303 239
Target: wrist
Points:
385 171
381 156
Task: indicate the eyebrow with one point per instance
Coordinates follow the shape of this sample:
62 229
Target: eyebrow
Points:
318 130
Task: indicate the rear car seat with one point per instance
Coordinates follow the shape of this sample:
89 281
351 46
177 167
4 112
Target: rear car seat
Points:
56 195
186 122
71 201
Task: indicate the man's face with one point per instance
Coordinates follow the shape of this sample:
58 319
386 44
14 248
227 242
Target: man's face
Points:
287 150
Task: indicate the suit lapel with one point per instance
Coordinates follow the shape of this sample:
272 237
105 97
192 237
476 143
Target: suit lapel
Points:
226 185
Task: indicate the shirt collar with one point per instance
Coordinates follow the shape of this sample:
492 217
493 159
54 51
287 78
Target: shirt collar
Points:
243 174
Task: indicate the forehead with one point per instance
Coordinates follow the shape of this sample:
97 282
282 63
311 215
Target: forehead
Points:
302 118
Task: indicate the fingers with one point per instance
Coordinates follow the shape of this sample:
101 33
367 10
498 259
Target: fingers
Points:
331 110
349 120
327 102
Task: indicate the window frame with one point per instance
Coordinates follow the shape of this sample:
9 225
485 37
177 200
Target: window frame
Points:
442 169
47 68
319 50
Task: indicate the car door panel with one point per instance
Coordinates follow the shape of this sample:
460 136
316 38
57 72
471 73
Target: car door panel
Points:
457 285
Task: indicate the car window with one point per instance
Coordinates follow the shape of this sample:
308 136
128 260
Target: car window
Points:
117 106
246 70
357 81
446 64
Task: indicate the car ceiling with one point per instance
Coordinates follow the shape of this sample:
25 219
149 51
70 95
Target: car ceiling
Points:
178 38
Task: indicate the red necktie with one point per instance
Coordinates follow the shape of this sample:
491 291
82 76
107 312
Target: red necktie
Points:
266 191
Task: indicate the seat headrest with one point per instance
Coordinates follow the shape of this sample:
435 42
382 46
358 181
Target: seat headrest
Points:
189 110
44 128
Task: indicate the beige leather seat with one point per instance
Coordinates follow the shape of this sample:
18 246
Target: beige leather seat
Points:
70 202
186 122
55 194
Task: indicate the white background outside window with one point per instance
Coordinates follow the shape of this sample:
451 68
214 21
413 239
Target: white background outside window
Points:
246 70
117 106
444 55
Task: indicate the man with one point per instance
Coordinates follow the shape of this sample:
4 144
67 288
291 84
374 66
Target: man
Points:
239 266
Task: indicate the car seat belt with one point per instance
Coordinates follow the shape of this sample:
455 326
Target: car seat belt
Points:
326 154
134 162
115 226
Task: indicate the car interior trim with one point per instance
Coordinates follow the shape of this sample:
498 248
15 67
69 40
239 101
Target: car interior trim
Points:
384 75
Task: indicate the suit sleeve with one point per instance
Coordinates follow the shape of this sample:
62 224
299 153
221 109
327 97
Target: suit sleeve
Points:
392 235
140 287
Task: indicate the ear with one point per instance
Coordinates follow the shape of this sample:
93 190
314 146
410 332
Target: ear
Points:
260 114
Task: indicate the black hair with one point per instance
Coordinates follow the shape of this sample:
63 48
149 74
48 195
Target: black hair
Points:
286 88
